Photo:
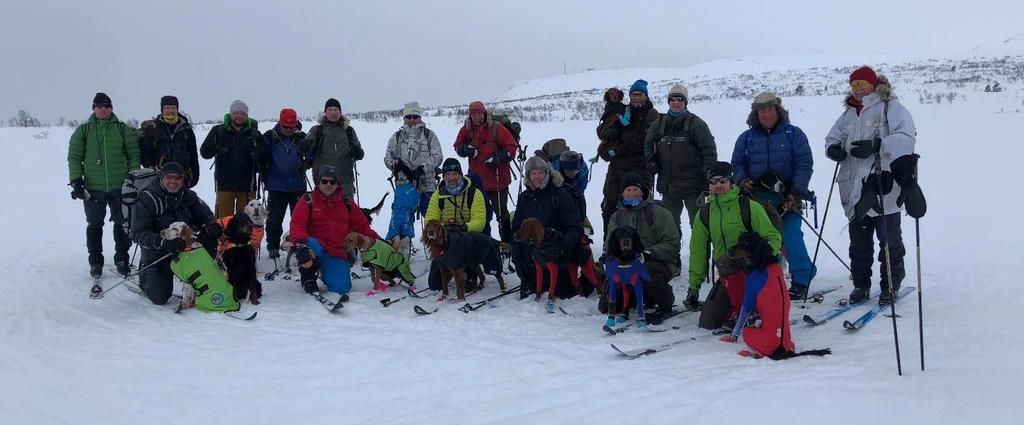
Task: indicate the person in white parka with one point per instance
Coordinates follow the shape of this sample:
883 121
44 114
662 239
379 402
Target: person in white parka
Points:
873 130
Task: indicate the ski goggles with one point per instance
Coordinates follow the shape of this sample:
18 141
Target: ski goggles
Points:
672 99
860 85
412 117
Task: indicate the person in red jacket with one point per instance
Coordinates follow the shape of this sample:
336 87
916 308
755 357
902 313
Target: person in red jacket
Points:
320 223
490 147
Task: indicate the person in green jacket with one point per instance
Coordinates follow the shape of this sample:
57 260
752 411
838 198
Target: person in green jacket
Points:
458 202
723 229
101 153
333 141
659 235
678 148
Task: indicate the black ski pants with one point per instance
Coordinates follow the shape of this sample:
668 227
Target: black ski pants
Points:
277 202
95 214
862 245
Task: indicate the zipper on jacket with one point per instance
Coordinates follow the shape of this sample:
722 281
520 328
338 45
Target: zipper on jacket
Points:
721 223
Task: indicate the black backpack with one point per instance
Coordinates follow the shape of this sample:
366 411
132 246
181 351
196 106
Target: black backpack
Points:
134 183
512 127
773 215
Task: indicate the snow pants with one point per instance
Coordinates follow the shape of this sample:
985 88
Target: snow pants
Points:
95 214
277 203
795 249
334 271
862 233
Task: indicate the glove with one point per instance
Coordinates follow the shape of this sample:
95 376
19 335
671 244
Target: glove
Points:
865 148
836 153
791 201
467 150
492 162
417 173
173 246
624 119
356 152
213 230
78 189
303 254
748 185
692 301
646 256
504 156
727 338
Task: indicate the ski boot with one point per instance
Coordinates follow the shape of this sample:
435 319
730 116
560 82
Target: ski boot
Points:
96 271
308 279
797 292
858 295
885 298
123 268
641 324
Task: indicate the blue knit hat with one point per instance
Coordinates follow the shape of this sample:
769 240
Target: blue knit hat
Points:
639 85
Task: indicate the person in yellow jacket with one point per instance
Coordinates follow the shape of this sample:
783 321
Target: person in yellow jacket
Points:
459 204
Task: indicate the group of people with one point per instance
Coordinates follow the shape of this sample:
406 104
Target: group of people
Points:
761 190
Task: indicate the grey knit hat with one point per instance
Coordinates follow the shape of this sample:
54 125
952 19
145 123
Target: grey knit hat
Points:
239 106
679 90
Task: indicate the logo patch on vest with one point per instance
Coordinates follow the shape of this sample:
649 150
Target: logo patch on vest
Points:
217 299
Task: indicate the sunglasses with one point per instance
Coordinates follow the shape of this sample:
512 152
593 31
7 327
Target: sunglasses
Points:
172 177
860 84
412 117
718 180
331 182
676 99
103 106
286 127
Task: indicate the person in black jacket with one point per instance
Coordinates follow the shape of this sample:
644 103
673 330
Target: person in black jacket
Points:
546 200
169 138
156 210
241 152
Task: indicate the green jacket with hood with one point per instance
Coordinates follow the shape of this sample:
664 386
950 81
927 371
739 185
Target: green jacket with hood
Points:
102 152
662 238
726 226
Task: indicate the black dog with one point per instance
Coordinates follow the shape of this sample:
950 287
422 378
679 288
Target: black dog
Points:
370 212
624 245
752 252
240 259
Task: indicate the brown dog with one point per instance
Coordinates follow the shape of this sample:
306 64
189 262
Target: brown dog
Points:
377 273
545 254
457 253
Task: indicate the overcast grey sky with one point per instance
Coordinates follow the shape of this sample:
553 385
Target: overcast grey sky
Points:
373 55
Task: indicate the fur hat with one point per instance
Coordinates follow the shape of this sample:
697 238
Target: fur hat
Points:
332 102
412 108
238 106
864 73
640 86
451 164
551 149
477 106
570 161
101 99
764 99
537 163
168 100
679 90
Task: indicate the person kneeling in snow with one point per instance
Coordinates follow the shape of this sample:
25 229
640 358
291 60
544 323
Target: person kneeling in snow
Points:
765 302
322 221
156 210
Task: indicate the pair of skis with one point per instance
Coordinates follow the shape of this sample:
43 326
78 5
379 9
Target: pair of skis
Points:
863 319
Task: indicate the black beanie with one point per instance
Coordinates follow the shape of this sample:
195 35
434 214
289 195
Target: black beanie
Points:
631 179
172 168
332 102
720 168
101 99
168 100
451 164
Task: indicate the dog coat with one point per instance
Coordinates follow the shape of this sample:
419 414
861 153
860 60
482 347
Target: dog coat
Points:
213 292
382 255
619 274
765 291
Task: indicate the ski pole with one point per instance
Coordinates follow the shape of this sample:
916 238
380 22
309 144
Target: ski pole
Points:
824 217
474 306
920 302
136 273
355 171
888 269
822 240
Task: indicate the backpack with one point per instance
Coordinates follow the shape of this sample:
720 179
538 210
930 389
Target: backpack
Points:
120 128
648 213
309 204
318 145
773 215
512 127
134 183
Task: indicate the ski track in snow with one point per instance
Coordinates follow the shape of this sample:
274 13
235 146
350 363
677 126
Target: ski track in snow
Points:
68 359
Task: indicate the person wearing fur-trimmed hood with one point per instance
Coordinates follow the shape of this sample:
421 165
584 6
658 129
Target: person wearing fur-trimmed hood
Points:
544 199
873 131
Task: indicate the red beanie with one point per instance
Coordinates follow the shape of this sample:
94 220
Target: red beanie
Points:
288 118
477 106
864 73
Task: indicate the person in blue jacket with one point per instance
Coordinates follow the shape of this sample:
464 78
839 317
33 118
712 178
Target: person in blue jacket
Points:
773 162
286 175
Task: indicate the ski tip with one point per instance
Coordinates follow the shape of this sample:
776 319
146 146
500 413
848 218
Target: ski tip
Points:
849 325
809 320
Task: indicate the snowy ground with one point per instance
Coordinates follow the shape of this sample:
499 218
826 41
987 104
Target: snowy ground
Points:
67 359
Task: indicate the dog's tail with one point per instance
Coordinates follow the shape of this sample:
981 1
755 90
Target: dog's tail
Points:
376 208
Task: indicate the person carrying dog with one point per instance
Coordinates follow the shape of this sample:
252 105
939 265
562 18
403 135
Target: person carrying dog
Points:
241 152
659 236
546 200
286 175
622 145
101 152
874 131
169 138
729 215
772 161
155 211
489 147
413 153
318 229
678 148
458 203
